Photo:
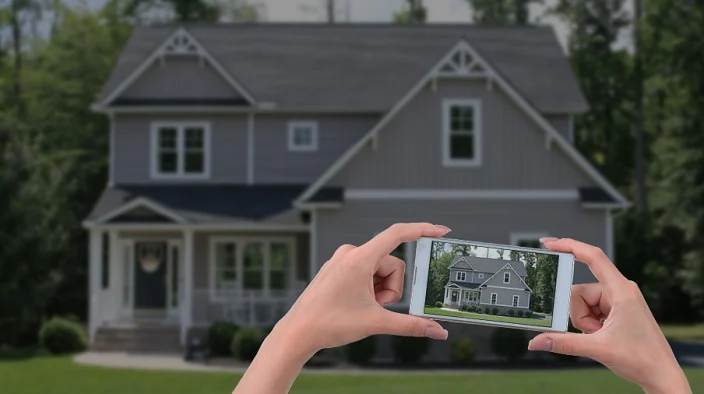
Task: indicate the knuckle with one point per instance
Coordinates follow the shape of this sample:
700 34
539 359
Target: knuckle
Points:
344 248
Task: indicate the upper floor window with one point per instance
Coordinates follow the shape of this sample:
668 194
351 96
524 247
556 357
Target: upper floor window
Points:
180 150
507 277
461 276
462 128
302 136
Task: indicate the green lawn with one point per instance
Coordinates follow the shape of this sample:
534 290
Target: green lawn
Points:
481 316
62 376
683 332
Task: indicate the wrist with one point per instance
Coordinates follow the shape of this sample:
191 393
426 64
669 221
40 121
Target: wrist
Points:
669 380
292 339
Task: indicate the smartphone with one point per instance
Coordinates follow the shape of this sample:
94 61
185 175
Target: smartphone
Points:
490 284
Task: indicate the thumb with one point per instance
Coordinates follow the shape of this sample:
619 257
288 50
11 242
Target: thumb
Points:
409 326
571 344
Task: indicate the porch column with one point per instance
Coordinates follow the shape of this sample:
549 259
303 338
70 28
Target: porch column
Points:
114 274
187 300
94 279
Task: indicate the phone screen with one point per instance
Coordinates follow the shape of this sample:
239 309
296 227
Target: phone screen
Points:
494 284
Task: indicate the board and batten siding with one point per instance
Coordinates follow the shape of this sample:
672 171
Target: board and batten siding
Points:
409 150
180 78
132 152
476 220
274 163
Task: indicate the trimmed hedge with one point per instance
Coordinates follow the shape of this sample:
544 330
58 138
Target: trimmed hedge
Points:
509 343
361 352
439 304
62 336
246 343
487 311
511 312
519 313
463 351
495 311
220 337
410 350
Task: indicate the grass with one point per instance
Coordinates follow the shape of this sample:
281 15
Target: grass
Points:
683 331
481 316
61 376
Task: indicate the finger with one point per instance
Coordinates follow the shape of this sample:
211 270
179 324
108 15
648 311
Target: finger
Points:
583 298
389 239
343 250
569 343
390 287
600 265
392 323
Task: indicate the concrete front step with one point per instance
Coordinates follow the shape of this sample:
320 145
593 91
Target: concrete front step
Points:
151 337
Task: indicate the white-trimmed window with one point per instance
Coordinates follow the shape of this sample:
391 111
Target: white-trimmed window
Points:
515 300
480 276
494 298
466 296
461 276
507 277
180 150
474 296
303 136
462 132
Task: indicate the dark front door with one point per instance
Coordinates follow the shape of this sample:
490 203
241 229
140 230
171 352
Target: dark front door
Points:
150 275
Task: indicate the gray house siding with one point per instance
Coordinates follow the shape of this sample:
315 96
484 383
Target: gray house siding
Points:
409 151
180 77
274 163
132 151
504 297
357 221
561 123
498 279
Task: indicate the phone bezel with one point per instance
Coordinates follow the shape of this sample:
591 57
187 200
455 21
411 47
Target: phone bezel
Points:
563 285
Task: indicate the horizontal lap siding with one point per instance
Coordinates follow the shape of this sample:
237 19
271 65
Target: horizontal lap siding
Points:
504 297
477 220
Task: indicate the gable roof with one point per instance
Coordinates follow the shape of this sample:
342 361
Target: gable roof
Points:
339 66
511 266
488 265
460 262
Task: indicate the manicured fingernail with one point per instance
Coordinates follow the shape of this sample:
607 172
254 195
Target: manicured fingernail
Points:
548 239
444 228
436 333
540 344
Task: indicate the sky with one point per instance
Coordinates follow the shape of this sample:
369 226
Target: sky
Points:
481 251
439 11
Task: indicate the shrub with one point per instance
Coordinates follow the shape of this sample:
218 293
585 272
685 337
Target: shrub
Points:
62 336
487 310
361 352
439 304
220 336
462 351
246 343
511 313
509 343
519 313
471 308
479 310
410 350
495 311
463 308
529 313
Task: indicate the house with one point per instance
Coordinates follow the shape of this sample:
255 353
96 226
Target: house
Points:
242 155
487 282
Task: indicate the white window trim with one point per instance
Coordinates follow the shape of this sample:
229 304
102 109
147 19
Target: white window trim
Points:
292 147
466 296
463 274
509 277
491 299
180 150
239 267
515 238
516 298
447 161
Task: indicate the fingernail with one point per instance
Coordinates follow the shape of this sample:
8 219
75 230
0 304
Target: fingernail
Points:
548 239
436 333
540 344
444 228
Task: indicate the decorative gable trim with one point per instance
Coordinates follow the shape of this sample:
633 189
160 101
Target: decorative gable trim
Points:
484 284
464 47
140 202
463 64
179 43
457 262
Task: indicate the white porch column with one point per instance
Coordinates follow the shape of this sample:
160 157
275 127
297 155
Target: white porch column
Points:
94 279
114 271
187 300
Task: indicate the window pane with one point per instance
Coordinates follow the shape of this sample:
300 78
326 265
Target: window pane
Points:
467 124
167 162
253 264
194 138
461 147
194 162
278 280
303 136
167 138
455 112
467 112
279 256
226 264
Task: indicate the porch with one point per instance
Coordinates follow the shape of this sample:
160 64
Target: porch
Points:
456 296
189 277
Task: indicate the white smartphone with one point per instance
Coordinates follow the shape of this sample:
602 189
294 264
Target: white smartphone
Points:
490 284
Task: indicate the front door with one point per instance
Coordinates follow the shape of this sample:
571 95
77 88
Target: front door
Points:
150 275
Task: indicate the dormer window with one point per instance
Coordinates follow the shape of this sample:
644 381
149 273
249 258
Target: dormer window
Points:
461 276
507 277
180 150
461 133
303 136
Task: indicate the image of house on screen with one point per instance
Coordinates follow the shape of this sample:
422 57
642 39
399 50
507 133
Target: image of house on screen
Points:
493 283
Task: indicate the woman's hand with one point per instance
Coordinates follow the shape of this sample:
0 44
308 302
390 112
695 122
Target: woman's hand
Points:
344 303
629 341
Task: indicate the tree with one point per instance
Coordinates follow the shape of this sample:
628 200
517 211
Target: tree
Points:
515 255
638 86
438 275
545 280
530 260
181 10
329 8
514 12
413 12
500 252
463 250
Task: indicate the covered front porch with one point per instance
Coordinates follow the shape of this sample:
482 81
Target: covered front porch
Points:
457 295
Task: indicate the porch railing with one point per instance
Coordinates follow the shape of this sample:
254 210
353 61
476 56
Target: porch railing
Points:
246 308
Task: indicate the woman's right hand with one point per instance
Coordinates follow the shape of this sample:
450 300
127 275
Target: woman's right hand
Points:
629 341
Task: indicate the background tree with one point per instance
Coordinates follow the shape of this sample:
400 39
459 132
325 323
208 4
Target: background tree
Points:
438 275
413 12
545 281
500 253
501 11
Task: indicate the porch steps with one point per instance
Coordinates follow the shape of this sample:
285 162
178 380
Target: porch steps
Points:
145 337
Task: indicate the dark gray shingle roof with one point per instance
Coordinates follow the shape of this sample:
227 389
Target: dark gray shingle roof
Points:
483 264
364 66
464 284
